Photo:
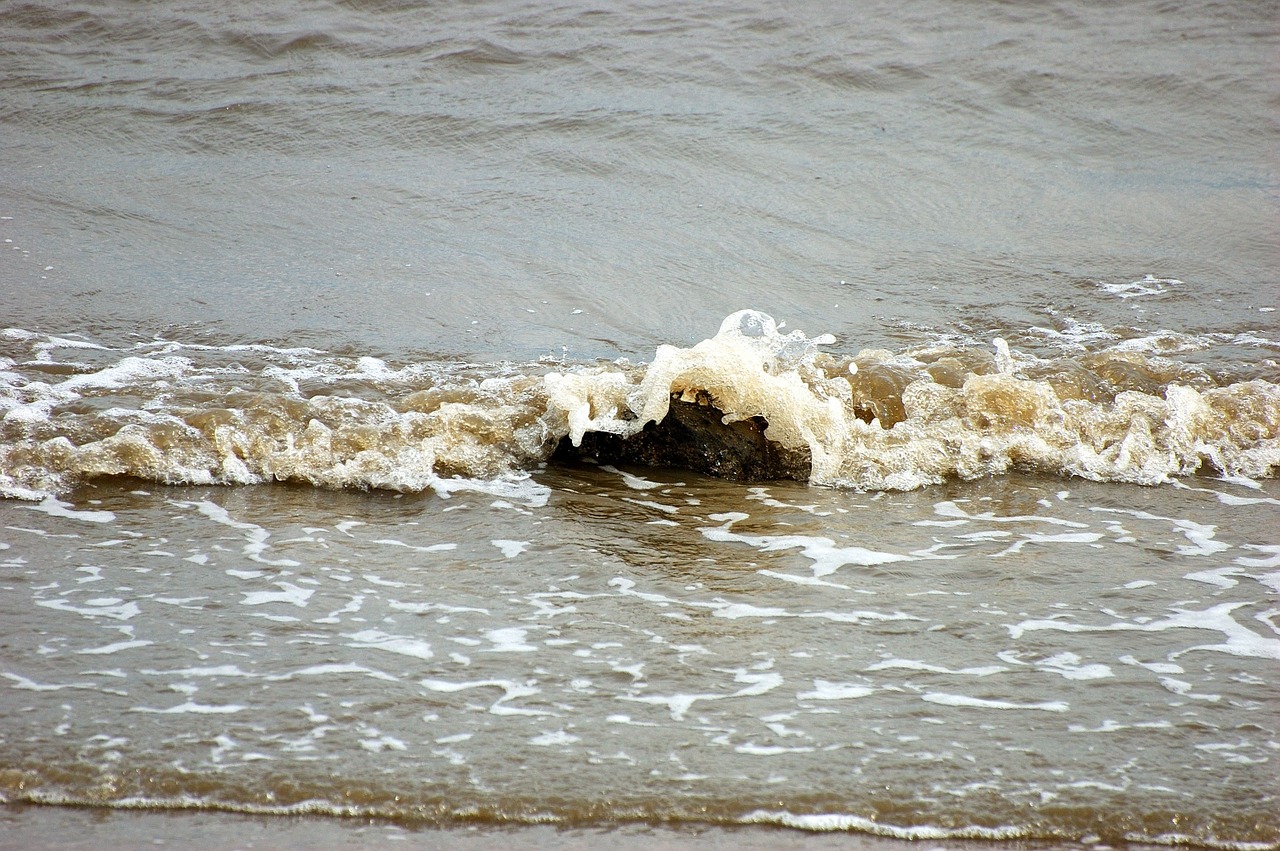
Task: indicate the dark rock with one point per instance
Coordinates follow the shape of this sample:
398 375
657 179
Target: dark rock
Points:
693 436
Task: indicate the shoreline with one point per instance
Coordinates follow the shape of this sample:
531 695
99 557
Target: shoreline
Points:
29 827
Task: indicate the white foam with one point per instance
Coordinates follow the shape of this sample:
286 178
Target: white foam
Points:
1201 536
828 822
1148 286
193 708
556 738
106 607
733 611
255 534
1157 667
1064 538
57 508
753 749
626 719
982 703
916 665
1273 561
95 572
947 508
826 690
431 548
801 580
454 739
516 486
130 370
630 480
1241 641
29 414
379 640
985 535
1232 499
762 494
424 608
1182 688
1221 577
1069 666
383 742
289 593
304 443
680 704
49 343
511 549
333 669
827 557
511 690
385 583
210 671
509 640
649 503
115 648
26 684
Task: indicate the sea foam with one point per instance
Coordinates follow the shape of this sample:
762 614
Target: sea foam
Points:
875 420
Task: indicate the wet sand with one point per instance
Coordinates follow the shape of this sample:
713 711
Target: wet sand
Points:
30 828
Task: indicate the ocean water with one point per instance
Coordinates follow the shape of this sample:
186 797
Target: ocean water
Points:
846 417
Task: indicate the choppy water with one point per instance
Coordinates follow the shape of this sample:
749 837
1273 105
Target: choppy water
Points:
330 333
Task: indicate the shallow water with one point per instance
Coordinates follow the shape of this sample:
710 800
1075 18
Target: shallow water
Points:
1017 658
305 309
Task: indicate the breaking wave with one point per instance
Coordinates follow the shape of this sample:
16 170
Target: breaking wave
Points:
750 402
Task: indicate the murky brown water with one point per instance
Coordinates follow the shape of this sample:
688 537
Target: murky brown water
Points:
299 300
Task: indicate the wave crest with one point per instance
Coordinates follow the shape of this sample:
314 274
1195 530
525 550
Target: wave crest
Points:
750 402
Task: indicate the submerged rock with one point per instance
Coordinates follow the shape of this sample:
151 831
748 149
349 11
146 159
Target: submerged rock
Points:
694 436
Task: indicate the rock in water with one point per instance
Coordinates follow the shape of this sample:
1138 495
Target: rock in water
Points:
694 436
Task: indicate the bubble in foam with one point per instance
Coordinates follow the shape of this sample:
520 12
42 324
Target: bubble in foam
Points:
749 323
761 331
